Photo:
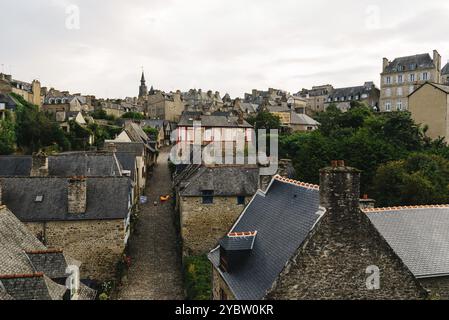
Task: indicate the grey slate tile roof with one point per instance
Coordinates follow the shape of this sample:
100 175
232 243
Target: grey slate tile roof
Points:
138 148
38 287
418 236
27 266
303 119
283 217
127 161
241 243
107 198
51 263
351 92
410 63
19 166
86 164
445 69
223 180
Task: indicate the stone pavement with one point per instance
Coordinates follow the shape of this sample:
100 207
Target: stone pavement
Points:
156 270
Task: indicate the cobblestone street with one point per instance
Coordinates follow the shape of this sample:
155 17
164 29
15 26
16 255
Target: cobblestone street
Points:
156 272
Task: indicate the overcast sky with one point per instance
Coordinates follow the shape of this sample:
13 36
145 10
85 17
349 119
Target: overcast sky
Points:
225 45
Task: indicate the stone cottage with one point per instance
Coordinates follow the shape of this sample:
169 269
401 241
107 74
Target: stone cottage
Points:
298 241
87 217
31 271
209 199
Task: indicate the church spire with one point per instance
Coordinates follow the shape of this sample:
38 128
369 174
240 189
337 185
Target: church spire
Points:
143 90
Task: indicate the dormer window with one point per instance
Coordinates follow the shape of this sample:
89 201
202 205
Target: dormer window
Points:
39 199
235 248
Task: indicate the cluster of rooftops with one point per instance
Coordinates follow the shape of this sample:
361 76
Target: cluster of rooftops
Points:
276 222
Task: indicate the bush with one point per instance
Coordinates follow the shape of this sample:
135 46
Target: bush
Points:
198 274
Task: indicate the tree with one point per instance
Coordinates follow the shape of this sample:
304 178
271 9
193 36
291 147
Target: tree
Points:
265 120
35 130
153 133
7 136
133 115
420 179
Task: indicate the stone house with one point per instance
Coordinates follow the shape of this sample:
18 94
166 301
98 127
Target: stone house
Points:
87 217
31 92
31 271
209 200
316 97
298 241
429 105
418 235
342 97
202 101
403 75
302 122
60 101
164 106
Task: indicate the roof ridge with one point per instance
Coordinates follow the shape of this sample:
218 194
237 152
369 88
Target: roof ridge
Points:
297 183
398 208
22 276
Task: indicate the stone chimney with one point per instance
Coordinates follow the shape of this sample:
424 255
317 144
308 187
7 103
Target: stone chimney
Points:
367 203
240 119
340 193
111 147
77 195
385 64
39 165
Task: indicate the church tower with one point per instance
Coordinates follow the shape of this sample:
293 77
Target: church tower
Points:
143 90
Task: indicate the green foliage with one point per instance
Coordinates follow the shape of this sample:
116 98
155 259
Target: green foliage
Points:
102 133
362 138
133 115
35 130
198 273
79 136
265 120
100 114
418 180
7 136
153 133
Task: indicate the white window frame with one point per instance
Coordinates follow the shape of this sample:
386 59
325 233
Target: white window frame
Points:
388 106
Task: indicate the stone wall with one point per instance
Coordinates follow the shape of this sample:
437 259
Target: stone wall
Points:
202 225
333 260
438 287
98 245
219 286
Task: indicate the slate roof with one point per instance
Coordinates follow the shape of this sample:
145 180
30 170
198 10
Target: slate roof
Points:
410 63
136 133
19 166
137 148
9 102
238 242
107 198
127 161
50 262
282 217
419 236
351 92
187 120
84 164
27 266
223 180
33 287
445 70
303 119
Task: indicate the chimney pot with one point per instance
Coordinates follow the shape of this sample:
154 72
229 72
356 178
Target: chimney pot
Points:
334 163
341 163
